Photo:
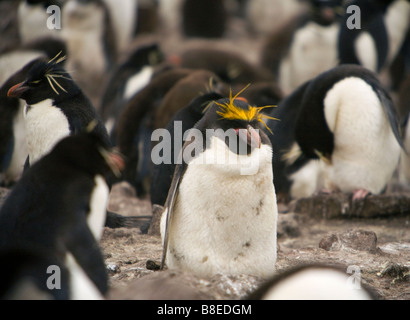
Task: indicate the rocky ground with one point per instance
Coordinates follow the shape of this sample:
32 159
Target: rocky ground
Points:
379 245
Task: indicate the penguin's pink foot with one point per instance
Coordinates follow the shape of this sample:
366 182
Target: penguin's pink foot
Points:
360 194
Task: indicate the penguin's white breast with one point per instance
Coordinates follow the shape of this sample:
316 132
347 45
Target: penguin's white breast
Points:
20 146
81 286
138 82
45 126
224 221
316 284
366 151
98 207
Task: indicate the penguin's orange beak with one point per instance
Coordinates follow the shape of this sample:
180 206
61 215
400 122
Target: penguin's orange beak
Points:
17 90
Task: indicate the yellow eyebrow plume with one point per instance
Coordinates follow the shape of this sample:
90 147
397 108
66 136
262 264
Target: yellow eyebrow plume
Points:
231 112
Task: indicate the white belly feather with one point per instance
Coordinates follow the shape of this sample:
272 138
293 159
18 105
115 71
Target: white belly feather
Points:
224 222
45 126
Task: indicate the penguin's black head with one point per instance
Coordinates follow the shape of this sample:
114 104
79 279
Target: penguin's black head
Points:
45 3
240 122
87 152
45 80
146 55
325 12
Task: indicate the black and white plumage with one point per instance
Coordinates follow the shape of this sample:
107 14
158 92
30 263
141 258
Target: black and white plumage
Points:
339 131
383 26
220 215
305 46
127 80
58 208
187 117
55 107
15 62
13 150
314 282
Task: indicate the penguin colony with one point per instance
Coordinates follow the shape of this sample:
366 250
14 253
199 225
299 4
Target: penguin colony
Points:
83 107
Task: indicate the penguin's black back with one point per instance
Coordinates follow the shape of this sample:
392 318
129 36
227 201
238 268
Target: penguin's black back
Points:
188 117
48 207
372 21
204 18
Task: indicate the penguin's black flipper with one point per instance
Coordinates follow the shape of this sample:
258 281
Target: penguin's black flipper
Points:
5 157
169 206
115 220
392 116
86 251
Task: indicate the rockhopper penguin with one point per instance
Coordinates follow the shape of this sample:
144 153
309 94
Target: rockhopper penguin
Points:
55 108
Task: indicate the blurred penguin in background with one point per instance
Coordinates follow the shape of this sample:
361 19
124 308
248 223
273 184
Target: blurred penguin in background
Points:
124 18
338 132
204 18
34 19
304 47
91 44
127 80
372 32
313 282
266 16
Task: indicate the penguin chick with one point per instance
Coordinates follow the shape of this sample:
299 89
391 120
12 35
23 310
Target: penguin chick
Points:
313 282
59 207
341 132
220 215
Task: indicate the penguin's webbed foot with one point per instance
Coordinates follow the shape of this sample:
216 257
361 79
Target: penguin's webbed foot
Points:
360 194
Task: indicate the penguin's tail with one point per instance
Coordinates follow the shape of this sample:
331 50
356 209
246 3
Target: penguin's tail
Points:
115 220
